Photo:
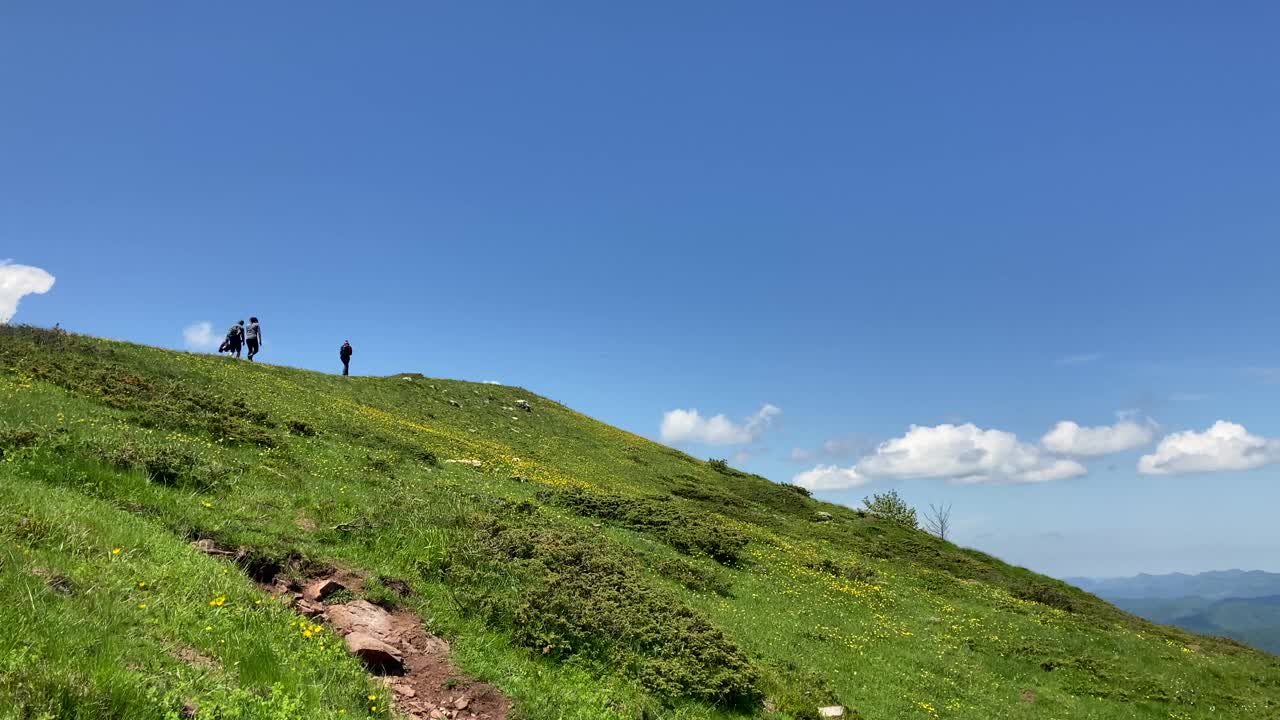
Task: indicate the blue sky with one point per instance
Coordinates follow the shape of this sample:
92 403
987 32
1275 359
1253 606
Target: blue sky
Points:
827 223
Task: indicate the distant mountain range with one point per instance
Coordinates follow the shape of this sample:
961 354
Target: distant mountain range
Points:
1239 604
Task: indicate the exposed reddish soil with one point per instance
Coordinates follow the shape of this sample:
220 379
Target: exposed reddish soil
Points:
413 663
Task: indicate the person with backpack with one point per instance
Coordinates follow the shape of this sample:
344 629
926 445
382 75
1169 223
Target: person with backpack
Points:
235 336
253 337
345 353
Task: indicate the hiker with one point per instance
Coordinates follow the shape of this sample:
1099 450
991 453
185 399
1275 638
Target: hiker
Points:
345 353
235 336
253 337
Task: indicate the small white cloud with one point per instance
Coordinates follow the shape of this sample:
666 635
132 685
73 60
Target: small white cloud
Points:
492 382
1081 359
829 477
689 426
965 454
18 281
1224 446
1069 438
199 336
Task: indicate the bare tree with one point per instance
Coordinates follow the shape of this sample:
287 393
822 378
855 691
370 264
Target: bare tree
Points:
937 521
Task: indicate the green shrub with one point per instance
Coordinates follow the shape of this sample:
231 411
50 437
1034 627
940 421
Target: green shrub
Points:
165 464
847 572
170 465
692 576
299 427
703 492
567 595
684 529
797 489
1045 595
13 440
771 496
720 465
891 507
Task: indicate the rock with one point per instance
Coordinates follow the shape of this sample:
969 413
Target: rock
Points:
321 589
310 609
831 711
455 403
406 691
376 655
524 405
823 517
209 547
461 703
363 617
437 714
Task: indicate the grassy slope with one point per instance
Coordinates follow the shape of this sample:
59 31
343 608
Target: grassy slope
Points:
886 620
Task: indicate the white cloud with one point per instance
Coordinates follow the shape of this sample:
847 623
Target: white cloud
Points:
1069 438
965 453
17 281
685 426
492 382
1081 359
1224 446
829 477
199 336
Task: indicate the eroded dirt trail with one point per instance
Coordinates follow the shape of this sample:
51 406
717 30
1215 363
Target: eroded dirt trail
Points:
393 645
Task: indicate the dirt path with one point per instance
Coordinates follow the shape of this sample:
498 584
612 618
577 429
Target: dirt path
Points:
393 645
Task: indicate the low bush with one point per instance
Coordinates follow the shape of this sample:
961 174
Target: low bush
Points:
692 576
13 440
846 572
1045 595
165 464
301 428
682 528
170 465
567 595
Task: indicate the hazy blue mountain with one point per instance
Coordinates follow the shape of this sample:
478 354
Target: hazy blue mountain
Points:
1216 585
1244 605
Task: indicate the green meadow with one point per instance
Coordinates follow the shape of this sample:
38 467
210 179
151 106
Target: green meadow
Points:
585 571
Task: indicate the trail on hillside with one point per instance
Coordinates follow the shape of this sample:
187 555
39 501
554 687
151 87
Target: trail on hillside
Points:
422 681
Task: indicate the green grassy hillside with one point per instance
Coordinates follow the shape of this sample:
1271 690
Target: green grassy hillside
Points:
585 571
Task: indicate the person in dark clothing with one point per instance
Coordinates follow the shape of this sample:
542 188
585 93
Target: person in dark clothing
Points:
235 336
253 337
345 354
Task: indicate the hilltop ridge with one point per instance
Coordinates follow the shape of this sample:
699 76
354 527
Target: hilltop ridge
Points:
584 571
